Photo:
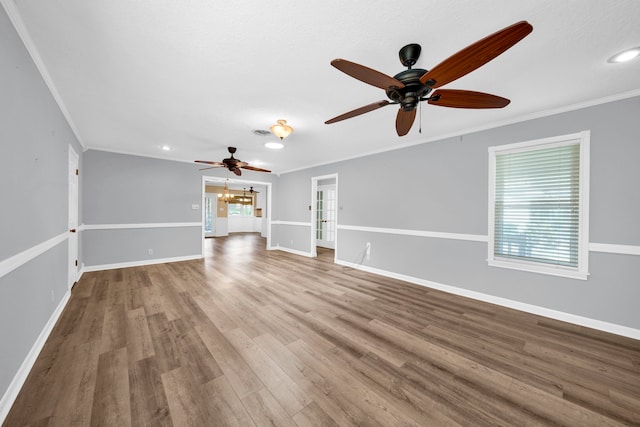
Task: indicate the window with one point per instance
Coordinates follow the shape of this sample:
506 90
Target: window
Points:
240 205
538 205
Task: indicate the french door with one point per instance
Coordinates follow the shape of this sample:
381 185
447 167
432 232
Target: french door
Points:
326 204
210 208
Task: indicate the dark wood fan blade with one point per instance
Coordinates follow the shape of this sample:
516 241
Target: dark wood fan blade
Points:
358 111
467 99
366 74
237 171
404 121
206 162
240 164
253 168
476 55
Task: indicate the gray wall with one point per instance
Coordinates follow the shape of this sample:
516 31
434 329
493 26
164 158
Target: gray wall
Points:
123 189
34 141
446 183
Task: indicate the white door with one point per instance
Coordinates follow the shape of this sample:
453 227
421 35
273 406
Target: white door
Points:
326 203
73 217
210 215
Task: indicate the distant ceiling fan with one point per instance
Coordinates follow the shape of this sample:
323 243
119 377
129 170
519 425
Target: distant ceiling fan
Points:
234 165
409 87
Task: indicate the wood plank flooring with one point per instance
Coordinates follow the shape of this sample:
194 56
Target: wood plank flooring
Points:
253 337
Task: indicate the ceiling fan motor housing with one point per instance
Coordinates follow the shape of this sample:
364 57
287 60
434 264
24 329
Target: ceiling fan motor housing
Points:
409 54
412 92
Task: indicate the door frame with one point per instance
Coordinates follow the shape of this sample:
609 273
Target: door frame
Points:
73 206
218 179
314 202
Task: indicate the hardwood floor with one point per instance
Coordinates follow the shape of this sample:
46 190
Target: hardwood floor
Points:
253 337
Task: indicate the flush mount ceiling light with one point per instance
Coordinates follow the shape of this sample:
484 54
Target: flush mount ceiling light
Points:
281 129
625 55
166 148
274 145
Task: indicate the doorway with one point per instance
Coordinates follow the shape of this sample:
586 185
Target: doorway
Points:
324 212
218 211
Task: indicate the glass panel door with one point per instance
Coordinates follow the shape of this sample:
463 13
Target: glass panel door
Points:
210 206
326 204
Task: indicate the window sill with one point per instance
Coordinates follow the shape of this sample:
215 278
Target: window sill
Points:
539 268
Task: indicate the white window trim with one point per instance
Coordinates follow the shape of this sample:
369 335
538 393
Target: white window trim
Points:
582 271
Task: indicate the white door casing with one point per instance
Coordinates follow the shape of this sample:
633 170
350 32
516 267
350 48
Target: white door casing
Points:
73 217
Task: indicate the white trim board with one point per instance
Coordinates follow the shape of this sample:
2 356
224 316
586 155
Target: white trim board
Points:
20 377
291 251
614 249
141 225
593 247
419 233
504 302
19 259
296 223
140 263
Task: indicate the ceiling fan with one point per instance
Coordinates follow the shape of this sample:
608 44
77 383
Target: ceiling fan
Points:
231 163
409 87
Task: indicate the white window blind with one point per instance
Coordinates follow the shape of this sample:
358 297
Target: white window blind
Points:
537 203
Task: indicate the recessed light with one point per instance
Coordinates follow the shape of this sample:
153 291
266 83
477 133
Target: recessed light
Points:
166 148
625 55
274 145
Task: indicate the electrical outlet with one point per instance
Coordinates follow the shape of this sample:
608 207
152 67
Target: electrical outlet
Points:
367 251
150 251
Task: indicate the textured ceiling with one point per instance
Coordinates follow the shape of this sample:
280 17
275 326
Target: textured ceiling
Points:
201 75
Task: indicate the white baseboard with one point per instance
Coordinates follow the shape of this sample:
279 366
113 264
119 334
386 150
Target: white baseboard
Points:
16 384
528 308
88 268
291 251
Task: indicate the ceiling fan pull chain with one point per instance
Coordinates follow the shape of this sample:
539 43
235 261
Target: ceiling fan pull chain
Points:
420 128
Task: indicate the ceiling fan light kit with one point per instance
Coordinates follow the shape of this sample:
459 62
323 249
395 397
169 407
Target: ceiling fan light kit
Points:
410 87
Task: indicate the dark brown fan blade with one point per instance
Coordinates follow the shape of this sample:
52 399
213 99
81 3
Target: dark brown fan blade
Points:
206 162
358 111
467 99
253 168
476 55
366 74
404 121
237 171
